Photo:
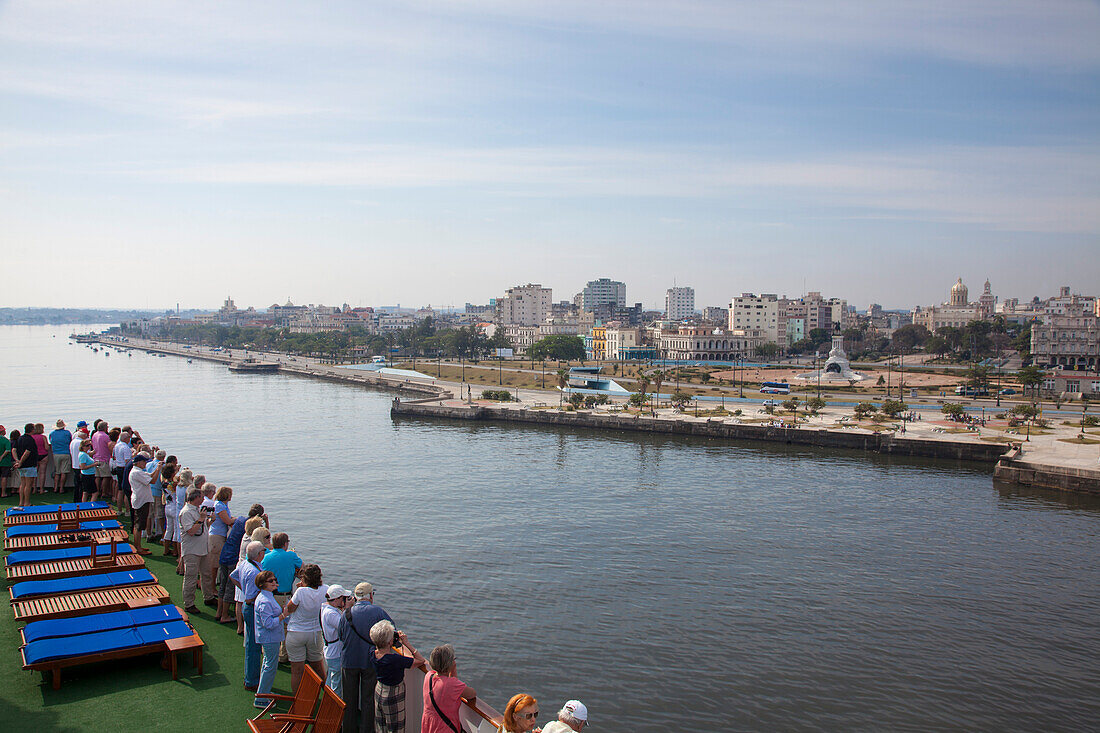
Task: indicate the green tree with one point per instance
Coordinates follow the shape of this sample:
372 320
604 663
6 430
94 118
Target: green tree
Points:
978 377
937 345
815 405
819 336
909 336
560 347
863 409
791 405
563 382
680 399
1030 376
893 408
953 411
767 350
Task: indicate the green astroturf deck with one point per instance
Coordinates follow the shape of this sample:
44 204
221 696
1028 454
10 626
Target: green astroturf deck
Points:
132 694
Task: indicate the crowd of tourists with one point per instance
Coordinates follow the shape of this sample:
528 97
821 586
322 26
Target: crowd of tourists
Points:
280 605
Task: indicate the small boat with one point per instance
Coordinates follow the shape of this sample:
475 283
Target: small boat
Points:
252 364
188 361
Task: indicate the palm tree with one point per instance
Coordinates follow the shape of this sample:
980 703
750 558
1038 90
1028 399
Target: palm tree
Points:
658 377
563 382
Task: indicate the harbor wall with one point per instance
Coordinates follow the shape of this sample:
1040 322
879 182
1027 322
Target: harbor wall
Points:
712 428
1046 476
346 376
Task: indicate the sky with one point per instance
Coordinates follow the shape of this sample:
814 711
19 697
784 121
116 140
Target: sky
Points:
440 152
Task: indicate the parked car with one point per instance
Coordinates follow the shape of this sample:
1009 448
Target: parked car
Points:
770 403
1007 391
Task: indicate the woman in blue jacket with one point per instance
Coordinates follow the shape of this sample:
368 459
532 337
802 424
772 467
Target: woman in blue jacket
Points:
269 631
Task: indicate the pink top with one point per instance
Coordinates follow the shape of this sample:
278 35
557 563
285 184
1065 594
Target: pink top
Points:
448 693
43 447
99 446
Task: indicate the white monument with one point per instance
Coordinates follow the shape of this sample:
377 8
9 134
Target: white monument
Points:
837 368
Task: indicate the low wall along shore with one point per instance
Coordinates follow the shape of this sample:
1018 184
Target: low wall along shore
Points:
426 401
712 428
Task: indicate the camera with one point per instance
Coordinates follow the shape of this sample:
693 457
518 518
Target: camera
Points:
396 638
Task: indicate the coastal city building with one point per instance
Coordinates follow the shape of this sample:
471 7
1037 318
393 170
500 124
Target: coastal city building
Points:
524 305
704 343
603 291
679 303
716 315
1069 338
958 310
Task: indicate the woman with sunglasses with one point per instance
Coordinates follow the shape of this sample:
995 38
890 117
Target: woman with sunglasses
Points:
520 715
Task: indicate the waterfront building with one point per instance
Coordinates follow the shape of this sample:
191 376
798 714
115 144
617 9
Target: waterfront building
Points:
704 343
958 310
679 303
603 291
757 313
520 336
1072 384
1068 339
524 305
596 343
621 339
716 315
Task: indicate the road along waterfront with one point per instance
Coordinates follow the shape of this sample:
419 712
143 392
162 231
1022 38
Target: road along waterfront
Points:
670 582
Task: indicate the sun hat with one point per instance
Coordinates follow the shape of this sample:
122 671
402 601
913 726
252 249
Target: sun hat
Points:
60 423
363 590
337 591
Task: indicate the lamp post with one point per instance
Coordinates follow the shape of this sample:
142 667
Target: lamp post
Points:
741 381
816 355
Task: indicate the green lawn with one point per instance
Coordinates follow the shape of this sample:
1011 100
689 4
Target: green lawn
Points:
132 694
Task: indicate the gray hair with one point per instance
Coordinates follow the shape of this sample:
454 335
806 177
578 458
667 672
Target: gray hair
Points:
161 455
442 658
200 479
209 489
255 550
566 716
382 633
193 494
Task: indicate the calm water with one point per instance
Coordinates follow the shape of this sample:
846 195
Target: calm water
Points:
669 583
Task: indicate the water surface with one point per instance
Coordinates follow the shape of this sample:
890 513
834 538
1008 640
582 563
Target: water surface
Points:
671 583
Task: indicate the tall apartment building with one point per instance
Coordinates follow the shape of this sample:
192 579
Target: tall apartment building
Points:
679 303
603 291
751 312
787 320
716 315
524 305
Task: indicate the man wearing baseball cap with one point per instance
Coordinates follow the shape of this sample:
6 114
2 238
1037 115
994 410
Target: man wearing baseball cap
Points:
572 717
142 499
60 438
337 599
74 455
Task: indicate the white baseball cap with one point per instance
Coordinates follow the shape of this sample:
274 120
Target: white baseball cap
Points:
576 708
337 591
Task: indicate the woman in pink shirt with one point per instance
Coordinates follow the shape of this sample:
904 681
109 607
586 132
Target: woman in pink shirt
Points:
443 693
44 454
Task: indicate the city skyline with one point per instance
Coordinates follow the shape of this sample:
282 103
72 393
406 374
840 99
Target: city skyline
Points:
177 153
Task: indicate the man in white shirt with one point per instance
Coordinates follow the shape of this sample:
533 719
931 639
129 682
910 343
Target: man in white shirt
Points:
195 548
572 718
336 600
79 437
141 497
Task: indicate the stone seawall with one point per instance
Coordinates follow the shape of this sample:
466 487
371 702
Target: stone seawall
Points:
987 453
1044 476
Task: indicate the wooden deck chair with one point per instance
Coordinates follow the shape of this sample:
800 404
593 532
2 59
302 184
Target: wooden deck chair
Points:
67 516
329 717
60 540
89 602
302 703
119 557
51 655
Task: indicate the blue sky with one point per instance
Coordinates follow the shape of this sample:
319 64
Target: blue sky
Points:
440 152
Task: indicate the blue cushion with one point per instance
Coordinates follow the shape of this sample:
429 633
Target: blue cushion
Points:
31 588
57 628
104 641
28 530
47 508
65 553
